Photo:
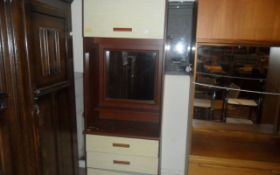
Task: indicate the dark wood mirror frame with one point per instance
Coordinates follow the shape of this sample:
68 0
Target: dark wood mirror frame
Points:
101 109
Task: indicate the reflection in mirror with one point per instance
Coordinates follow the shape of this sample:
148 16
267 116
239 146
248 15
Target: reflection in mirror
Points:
234 84
131 75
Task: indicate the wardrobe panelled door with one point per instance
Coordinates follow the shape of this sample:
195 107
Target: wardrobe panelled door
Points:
52 81
37 106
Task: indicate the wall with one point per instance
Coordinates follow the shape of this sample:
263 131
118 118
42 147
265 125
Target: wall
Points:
174 124
76 8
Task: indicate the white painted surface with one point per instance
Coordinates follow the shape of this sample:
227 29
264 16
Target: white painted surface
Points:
91 171
76 8
79 97
174 124
145 17
140 147
77 35
137 164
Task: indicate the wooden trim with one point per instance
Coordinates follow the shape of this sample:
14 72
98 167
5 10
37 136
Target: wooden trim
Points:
128 114
234 163
122 29
120 145
52 88
237 42
121 162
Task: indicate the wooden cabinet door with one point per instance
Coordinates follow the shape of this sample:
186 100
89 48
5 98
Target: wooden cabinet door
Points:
238 20
52 81
5 162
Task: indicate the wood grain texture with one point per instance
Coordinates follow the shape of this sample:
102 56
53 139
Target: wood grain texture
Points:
217 166
238 20
235 145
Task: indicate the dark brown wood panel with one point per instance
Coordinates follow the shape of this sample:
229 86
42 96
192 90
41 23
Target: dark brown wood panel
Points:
51 72
100 108
47 135
120 115
49 49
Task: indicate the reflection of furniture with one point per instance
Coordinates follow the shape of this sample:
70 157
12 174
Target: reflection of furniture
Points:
233 100
205 104
213 69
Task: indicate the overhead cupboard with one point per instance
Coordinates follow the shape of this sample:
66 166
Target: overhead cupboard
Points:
123 52
124 19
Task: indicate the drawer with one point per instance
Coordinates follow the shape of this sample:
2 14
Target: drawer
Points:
120 145
91 171
117 162
102 16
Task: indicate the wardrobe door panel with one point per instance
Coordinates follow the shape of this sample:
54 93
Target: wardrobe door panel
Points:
52 82
47 135
65 130
49 49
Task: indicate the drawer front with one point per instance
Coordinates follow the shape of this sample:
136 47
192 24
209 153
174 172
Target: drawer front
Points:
212 169
137 164
91 171
120 145
102 16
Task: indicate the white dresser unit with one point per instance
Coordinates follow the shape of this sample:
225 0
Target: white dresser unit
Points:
124 18
108 155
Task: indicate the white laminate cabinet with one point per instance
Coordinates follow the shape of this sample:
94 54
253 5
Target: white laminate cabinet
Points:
144 18
118 162
108 155
121 145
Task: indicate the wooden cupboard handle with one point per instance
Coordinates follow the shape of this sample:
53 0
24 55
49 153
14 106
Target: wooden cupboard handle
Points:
121 162
121 145
122 29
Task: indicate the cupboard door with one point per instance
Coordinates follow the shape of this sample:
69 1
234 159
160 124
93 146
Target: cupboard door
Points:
5 162
52 81
124 18
49 49
55 128
235 20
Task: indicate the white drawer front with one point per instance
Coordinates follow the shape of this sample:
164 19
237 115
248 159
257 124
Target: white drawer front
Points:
91 171
120 145
145 17
118 162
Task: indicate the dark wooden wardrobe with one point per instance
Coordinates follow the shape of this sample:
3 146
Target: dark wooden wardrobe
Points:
37 123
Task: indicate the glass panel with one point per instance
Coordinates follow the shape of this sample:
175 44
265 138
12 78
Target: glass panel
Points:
234 85
131 75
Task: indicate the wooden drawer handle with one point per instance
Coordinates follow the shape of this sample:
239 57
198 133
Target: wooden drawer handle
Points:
122 29
121 162
121 145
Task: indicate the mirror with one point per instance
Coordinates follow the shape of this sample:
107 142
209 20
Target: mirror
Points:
236 84
131 75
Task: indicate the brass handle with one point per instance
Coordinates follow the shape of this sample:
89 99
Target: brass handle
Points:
121 145
121 162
